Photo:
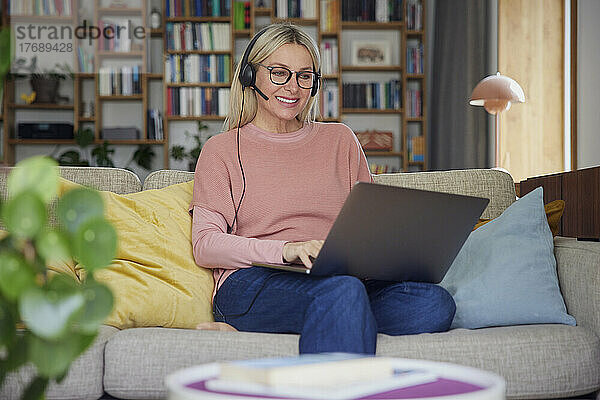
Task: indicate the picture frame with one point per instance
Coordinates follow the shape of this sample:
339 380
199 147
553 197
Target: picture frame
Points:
370 52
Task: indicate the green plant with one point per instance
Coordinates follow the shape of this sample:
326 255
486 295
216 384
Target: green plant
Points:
57 72
83 138
179 152
50 319
5 53
143 156
102 155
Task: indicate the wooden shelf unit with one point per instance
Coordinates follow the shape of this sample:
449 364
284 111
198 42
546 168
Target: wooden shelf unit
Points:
334 79
101 55
233 34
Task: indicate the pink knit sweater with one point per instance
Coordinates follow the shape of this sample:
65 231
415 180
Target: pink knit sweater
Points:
296 184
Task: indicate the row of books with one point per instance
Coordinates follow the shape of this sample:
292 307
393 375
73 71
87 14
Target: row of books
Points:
372 10
197 8
414 103
329 56
330 102
241 15
86 61
41 7
206 36
187 102
123 81
330 15
155 124
416 148
375 95
296 9
414 15
120 37
382 169
195 68
414 58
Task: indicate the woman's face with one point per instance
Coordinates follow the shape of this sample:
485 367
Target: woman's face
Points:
278 114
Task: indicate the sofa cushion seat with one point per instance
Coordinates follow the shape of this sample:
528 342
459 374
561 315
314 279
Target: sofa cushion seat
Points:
536 360
138 359
84 380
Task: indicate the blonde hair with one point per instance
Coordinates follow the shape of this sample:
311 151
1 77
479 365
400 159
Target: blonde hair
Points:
274 36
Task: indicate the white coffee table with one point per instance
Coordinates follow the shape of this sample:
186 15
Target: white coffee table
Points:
455 382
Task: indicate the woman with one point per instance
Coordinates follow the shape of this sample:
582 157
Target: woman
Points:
270 192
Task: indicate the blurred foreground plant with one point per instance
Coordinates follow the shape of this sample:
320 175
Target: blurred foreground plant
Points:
49 319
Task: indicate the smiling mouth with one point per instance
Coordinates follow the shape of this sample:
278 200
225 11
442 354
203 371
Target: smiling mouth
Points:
287 101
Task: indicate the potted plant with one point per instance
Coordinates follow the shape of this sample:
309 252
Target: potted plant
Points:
48 320
5 53
83 138
143 157
180 153
44 82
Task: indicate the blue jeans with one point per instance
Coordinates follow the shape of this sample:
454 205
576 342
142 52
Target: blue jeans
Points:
331 314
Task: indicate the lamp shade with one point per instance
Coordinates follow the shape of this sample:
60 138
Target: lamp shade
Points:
496 93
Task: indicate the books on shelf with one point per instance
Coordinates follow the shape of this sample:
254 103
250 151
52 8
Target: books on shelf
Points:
241 15
416 148
155 124
119 81
372 10
329 56
329 15
414 108
414 15
197 8
330 102
295 9
377 169
207 36
118 42
86 60
195 68
414 57
197 101
375 95
41 7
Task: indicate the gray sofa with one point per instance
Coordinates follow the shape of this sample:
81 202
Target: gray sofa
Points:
537 361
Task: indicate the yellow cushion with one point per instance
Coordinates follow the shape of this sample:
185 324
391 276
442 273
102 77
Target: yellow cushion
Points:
554 211
154 277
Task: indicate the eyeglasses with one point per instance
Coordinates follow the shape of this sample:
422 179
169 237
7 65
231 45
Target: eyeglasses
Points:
282 75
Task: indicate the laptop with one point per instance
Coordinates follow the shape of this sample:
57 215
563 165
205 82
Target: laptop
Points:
394 234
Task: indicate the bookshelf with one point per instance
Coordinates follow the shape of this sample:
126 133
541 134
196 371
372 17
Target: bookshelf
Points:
198 63
334 35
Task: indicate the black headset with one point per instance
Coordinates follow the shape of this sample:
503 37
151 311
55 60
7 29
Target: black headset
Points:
248 73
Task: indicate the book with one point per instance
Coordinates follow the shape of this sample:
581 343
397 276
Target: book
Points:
325 369
327 376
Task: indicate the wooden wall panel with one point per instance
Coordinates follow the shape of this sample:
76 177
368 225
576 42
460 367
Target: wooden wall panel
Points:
581 192
530 50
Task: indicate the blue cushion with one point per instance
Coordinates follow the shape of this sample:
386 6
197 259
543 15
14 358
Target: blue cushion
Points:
505 274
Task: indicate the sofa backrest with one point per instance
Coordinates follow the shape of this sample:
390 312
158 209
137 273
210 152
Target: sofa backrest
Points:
165 177
495 185
116 180
498 186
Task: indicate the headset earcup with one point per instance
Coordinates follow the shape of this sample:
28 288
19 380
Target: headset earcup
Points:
247 76
315 88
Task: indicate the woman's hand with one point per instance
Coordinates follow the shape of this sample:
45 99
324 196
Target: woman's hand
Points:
302 251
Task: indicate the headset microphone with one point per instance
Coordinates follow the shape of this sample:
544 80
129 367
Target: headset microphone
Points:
264 96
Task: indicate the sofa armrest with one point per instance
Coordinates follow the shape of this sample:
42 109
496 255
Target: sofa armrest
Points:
578 266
